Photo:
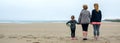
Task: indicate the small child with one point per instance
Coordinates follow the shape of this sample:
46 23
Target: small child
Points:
72 23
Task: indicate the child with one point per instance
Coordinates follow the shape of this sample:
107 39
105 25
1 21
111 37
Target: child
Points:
72 23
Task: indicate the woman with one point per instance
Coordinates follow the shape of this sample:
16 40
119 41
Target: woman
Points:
96 20
84 20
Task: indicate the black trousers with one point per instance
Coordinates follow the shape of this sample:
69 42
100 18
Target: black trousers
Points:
73 32
85 27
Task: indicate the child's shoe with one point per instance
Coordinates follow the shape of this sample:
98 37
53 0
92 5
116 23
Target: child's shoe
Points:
73 38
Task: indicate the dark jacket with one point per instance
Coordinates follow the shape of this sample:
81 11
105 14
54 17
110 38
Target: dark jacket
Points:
96 16
72 23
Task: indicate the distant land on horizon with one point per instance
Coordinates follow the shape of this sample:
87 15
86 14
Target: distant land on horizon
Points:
112 20
29 21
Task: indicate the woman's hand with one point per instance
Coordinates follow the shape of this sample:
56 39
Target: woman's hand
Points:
90 22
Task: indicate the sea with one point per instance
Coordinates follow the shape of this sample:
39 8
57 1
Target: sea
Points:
35 21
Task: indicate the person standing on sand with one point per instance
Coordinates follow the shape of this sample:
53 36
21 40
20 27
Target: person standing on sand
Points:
72 23
84 20
96 20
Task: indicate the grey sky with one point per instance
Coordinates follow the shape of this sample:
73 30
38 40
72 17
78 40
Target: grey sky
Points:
54 9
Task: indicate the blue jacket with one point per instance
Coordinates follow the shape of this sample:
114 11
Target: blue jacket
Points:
96 16
73 23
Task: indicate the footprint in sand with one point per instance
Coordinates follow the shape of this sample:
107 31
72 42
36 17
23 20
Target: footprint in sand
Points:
91 40
12 37
50 37
15 36
61 38
105 40
115 37
28 40
29 37
36 42
2 36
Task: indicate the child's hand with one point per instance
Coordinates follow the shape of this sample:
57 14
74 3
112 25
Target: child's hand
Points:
68 24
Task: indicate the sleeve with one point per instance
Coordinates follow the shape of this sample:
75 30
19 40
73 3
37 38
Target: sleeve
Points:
92 15
89 15
79 19
76 22
100 15
67 22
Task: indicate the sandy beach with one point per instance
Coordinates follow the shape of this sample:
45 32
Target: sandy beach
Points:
55 33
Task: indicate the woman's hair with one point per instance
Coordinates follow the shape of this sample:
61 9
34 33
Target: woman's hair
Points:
96 4
85 6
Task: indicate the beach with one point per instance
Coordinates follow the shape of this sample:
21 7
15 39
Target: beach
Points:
55 33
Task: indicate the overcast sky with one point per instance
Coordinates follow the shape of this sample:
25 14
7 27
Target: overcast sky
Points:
54 9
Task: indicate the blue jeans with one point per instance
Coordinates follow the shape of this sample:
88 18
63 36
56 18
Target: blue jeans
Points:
96 29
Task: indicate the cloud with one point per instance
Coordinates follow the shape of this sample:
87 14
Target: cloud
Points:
52 9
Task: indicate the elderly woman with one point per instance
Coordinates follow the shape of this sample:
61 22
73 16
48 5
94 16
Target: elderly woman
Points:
96 20
84 20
